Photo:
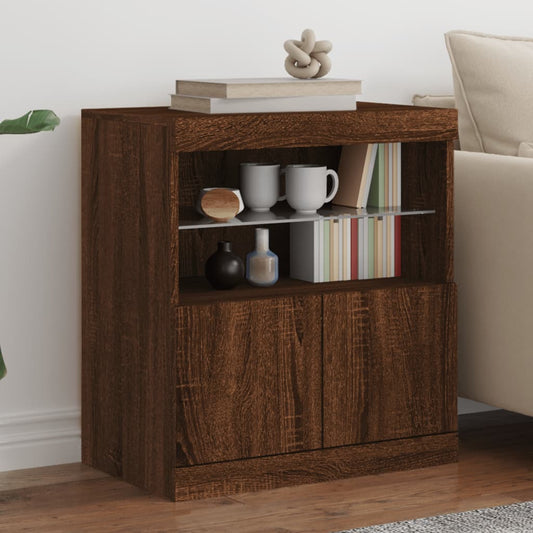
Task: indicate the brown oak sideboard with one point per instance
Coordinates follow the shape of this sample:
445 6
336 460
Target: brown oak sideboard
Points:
190 392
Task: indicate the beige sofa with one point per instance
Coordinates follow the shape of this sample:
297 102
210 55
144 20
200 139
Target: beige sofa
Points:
493 216
494 273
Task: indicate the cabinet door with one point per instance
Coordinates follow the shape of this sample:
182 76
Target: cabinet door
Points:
389 364
249 379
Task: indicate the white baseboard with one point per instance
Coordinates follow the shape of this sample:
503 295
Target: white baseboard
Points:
40 438
44 438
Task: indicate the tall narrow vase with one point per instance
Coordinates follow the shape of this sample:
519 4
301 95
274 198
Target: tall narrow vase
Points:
262 264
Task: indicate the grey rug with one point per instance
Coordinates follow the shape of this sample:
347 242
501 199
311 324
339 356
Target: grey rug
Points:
515 518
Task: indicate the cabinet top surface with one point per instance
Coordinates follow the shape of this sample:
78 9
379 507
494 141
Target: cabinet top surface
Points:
372 122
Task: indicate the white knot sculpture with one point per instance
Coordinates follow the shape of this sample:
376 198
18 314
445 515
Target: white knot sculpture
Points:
307 58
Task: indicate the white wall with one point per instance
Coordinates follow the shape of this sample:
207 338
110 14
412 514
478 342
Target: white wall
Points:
67 55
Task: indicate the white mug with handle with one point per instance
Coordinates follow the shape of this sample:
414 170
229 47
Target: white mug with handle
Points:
306 187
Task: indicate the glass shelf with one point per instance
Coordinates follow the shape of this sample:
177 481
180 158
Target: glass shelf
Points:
283 214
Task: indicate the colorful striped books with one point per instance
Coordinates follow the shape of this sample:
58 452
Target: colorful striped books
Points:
385 189
346 249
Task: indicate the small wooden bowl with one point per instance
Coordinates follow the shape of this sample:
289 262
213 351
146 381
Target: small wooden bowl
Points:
219 203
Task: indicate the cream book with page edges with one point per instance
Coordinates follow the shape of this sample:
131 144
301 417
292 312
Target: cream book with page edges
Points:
267 87
288 104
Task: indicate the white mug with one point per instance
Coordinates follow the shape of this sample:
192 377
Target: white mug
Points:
306 187
260 186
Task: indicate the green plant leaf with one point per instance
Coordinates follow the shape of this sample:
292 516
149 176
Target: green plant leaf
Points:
31 122
3 369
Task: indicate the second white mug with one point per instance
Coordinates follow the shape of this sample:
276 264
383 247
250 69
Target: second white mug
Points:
306 187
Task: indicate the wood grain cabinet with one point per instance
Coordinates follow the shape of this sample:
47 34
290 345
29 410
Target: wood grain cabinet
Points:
190 392
249 379
388 364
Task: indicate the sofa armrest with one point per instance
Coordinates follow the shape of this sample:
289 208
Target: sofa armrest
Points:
494 272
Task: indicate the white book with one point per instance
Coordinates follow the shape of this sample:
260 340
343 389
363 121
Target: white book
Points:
365 249
340 269
267 87
361 248
347 248
321 250
304 251
385 245
334 250
289 104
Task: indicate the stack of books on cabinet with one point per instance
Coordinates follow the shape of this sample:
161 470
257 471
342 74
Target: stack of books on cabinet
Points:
265 95
359 244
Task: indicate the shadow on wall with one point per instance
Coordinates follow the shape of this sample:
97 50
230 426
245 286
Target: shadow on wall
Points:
39 272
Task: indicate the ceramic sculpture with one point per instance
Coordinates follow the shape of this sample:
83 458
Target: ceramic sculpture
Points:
307 58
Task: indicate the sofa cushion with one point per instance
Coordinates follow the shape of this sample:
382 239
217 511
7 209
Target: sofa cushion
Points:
525 149
493 80
432 100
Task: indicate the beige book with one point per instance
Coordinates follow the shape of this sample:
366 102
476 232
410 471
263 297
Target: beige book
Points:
267 87
390 246
334 251
346 249
355 174
200 104
378 254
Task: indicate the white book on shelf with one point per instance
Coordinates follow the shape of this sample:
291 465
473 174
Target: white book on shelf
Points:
385 246
334 250
361 248
347 236
198 104
304 251
365 249
379 247
321 250
340 269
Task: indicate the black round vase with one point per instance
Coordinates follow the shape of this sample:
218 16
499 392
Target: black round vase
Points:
224 269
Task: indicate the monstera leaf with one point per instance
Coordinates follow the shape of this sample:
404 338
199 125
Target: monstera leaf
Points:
3 370
31 122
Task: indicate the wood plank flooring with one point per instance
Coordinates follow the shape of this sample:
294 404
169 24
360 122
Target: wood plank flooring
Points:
495 468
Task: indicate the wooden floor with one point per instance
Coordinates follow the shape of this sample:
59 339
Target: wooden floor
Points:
495 468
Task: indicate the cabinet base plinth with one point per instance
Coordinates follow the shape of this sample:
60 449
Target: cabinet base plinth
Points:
263 473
